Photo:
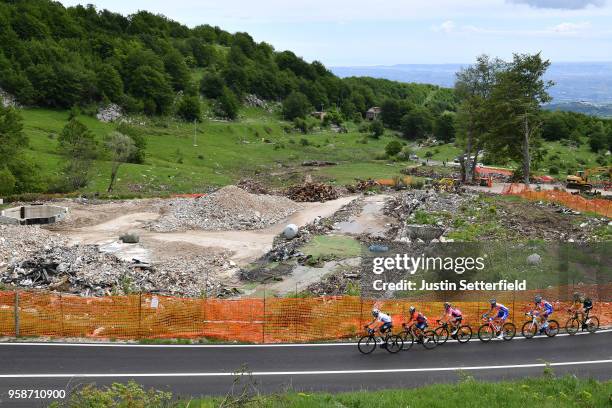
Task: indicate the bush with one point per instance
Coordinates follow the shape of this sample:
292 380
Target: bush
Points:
304 142
392 148
554 170
228 105
7 182
189 109
296 105
377 128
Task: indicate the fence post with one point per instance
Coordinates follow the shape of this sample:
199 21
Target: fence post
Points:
61 314
139 314
263 324
16 313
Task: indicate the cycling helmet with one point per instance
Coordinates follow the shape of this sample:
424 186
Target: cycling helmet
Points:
412 309
493 302
375 312
538 299
576 296
447 305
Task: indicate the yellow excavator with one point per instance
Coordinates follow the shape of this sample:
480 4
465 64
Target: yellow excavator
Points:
581 180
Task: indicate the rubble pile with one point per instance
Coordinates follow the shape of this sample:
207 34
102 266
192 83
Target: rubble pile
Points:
18 243
230 208
109 113
363 185
312 192
252 186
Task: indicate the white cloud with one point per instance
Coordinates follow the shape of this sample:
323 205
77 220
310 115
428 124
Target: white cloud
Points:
448 26
571 28
561 4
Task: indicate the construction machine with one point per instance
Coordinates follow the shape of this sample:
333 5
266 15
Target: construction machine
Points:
582 179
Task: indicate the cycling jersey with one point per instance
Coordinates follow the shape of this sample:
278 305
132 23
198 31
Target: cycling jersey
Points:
454 312
545 307
384 318
502 311
420 319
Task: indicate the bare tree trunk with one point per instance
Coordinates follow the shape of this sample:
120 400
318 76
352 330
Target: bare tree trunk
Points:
526 158
475 161
465 160
114 171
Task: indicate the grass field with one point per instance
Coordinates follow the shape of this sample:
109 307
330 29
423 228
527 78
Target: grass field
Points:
225 152
255 146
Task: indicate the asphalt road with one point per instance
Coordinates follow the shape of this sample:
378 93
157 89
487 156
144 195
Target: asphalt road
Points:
209 369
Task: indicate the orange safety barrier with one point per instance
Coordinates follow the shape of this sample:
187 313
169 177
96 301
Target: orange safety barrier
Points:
576 202
261 320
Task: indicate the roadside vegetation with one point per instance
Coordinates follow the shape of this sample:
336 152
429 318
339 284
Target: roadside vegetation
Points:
545 391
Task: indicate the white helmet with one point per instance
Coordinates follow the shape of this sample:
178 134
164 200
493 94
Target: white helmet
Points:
375 312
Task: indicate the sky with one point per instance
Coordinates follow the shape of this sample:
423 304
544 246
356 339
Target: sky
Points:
388 32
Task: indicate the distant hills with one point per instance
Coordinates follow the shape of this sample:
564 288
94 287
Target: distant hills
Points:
579 87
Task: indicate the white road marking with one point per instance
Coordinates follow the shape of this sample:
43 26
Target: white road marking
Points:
286 373
54 344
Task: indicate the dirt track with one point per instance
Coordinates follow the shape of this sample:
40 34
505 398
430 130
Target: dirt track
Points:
246 246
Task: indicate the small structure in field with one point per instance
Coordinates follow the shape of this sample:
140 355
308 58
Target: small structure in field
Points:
373 113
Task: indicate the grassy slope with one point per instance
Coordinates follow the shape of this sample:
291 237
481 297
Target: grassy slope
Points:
546 391
226 152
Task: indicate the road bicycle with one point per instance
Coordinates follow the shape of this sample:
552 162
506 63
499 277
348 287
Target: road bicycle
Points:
588 323
413 334
389 341
462 332
490 330
532 327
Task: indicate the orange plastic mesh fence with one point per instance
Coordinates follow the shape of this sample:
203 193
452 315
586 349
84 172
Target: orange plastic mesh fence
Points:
595 205
245 320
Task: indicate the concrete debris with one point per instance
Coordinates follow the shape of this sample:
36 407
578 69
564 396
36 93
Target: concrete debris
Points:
252 186
109 113
230 208
312 192
318 163
290 231
254 101
363 185
534 259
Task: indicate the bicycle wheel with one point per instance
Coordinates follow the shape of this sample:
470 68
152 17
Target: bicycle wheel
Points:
394 343
572 326
366 344
592 324
442 334
486 333
509 330
407 340
553 328
430 339
464 334
529 330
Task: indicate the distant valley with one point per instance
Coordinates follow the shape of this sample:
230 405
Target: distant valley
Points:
579 87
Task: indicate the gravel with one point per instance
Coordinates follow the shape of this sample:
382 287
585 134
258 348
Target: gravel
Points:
230 208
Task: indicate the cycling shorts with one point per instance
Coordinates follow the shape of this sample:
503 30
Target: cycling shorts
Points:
385 327
421 325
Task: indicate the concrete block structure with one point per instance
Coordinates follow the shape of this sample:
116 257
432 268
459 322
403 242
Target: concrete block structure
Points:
33 215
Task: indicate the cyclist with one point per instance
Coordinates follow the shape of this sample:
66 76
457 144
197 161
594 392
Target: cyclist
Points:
578 306
419 319
542 310
384 319
453 316
500 314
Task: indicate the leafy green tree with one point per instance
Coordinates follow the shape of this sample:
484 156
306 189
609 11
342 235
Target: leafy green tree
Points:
554 127
393 147
417 123
7 181
212 84
444 127
119 147
189 109
78 147
296 105
228 104
109 82
517 96
176 67
377 128
392 112
140 143
151 85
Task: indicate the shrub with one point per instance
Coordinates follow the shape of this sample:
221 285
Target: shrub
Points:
304 142
553 170
393 148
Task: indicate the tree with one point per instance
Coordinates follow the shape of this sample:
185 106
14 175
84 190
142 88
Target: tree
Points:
392 112
377 128
444 127
296 105
175 66
140 143
474 86
7 181
417 123
228 104
78 147
211 85
554 127
393 147
119 147
189 109
516 106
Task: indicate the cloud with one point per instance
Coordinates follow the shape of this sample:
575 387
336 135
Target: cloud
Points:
447 27
570 28
566 29
560 4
